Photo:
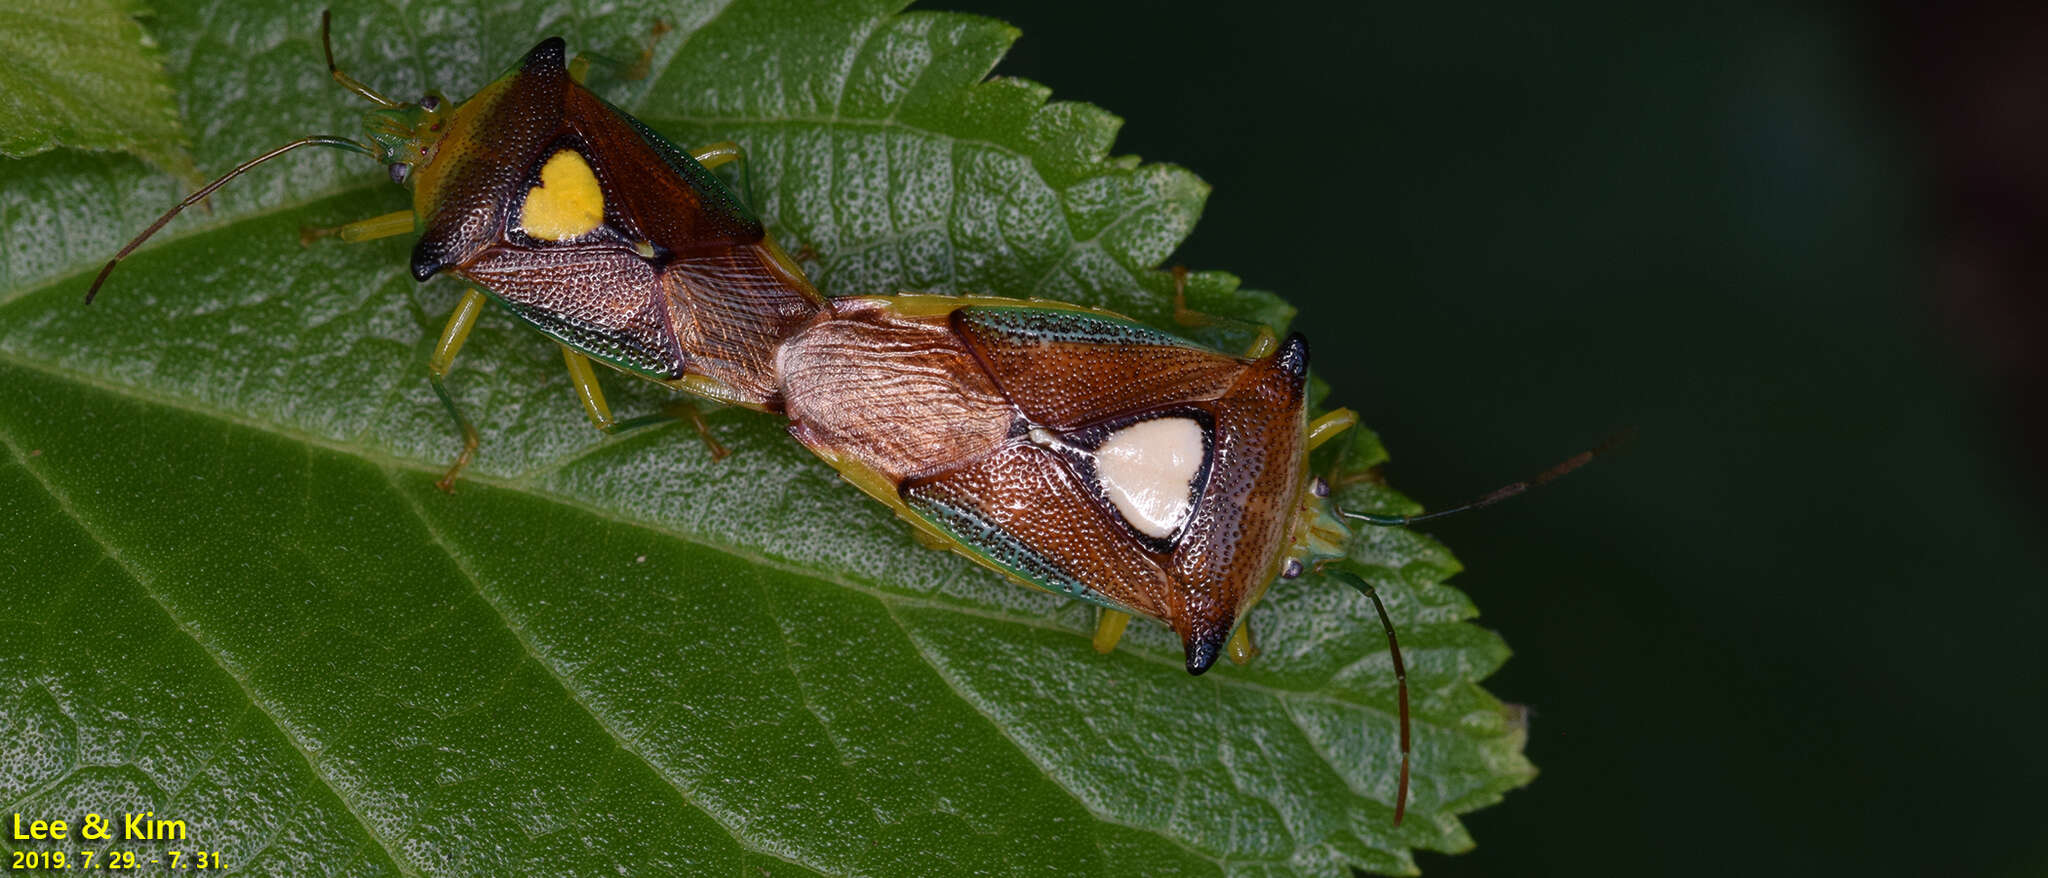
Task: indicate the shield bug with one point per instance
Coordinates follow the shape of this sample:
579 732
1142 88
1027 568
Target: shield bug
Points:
582 222
1084 453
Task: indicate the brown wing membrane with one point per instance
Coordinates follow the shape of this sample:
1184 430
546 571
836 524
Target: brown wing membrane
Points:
900 395
732 309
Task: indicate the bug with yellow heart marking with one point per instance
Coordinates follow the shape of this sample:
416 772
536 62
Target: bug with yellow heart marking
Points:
582 222
1074 450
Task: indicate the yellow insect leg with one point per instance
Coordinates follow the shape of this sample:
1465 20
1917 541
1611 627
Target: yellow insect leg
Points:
588 391
719 153
1241 648
591 394
792 273
1109 629
1327 427
395 223
452 337
1264 344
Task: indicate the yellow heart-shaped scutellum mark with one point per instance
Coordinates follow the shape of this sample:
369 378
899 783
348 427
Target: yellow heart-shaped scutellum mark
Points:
568 203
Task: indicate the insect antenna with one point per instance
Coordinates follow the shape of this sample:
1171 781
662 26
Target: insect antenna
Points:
1350 572
196 197
1343 571
347 81
1501 493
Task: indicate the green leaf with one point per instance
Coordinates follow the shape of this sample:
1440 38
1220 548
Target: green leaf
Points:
236 599
82 74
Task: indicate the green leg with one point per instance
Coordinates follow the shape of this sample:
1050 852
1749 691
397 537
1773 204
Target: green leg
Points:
452 337
396 223
1264 344
591 394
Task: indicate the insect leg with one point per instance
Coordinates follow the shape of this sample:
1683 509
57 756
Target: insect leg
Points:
713 155
1265 343
688 411
723 153
1241 649
1109 629
395 223
1327 427
452 337
635 70
591 394
587 390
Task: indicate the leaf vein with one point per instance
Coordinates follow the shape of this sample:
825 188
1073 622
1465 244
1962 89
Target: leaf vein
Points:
10 296
724 821
106 548
387 460
1026 752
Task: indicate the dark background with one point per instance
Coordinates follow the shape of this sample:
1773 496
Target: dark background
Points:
1796 627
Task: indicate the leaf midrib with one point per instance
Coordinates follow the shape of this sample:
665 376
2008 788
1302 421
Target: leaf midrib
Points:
525 485
891 603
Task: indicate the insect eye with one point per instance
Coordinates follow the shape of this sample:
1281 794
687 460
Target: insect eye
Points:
399 171
1319 488
1292 569
430 103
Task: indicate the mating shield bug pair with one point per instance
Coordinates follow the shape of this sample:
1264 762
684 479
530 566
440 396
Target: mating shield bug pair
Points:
1074 450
